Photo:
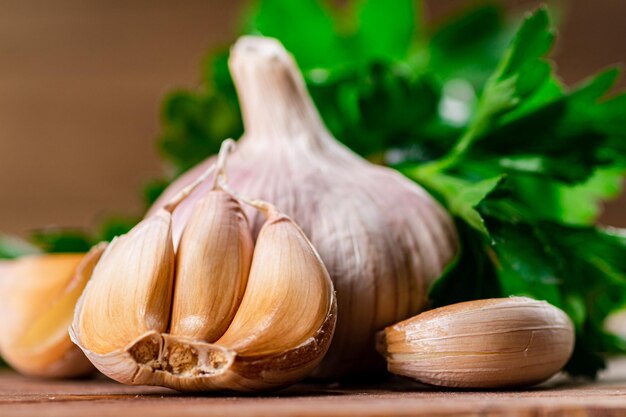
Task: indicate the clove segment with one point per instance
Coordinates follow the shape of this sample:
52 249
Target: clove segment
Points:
131 288
286 275
494 343
213 263
38 297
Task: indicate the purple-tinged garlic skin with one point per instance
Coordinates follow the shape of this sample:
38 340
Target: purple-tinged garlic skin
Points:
383 239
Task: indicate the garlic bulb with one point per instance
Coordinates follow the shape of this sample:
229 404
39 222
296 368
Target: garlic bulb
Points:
495 343
383 238
38 297
243 316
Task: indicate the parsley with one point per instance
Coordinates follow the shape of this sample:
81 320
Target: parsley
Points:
524 180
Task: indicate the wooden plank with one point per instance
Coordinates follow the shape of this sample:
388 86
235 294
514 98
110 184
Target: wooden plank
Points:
20 396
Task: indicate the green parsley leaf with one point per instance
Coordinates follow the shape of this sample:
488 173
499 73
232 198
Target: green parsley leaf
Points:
461 197
305 27
194 126
385 33
114 226
60 240
473 260
13 247
469 46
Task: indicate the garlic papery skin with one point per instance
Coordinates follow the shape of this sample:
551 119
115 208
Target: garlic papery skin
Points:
39 293
383 239
244 317
494 343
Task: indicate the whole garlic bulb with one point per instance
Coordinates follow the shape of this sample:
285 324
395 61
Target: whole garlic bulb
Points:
38 294
383 238
495 343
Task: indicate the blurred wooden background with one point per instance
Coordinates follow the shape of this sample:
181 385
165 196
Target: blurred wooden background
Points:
81 83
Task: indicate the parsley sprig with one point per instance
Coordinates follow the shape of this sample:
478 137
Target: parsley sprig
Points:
532 153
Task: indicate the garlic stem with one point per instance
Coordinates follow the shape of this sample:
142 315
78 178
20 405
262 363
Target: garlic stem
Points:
268 210
476 129
258 66
221 179
184 193
227 147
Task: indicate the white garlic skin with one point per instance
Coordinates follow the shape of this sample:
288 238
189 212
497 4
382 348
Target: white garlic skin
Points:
383 239
495 343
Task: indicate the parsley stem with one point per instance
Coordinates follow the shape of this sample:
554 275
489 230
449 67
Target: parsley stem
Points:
475 130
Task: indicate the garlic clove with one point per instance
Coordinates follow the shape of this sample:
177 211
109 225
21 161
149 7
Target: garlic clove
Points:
130 291
286 320
40 293
494 343
213 262
40 278
287 281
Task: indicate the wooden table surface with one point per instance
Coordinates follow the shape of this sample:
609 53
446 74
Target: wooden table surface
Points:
21 396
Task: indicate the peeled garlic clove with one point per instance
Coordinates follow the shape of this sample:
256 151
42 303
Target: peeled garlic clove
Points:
383 239
213 262
495 343
39 294
128 296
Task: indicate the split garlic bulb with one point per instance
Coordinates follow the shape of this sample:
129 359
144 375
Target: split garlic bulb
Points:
383 238
37 298
219 312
